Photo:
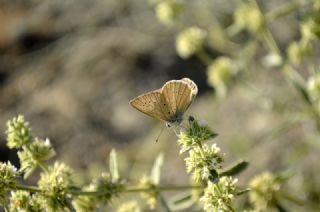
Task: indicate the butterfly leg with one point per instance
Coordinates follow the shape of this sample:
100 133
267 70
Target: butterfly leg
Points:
175 130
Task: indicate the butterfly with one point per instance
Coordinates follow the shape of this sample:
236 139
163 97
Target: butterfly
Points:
168 103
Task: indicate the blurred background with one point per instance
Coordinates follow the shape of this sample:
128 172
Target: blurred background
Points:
71 67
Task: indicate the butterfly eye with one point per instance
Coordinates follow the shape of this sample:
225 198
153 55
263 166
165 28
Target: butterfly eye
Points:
191 119
168 124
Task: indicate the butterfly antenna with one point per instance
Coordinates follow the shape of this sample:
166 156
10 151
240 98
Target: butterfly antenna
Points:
160 133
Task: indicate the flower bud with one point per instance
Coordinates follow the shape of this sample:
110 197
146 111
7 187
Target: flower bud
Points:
310 30
263 191
220 73
297 51
24 201
55 184
219 197
168 11
190 41
18 132
8 179
249 17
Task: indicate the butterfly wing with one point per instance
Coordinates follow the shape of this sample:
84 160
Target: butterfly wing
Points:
193 86
178 95
169 96
150 104
187 95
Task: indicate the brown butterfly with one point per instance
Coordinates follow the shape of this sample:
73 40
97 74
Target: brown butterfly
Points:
168 103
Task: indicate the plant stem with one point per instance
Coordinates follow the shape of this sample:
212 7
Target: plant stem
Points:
43 166
203 155
204 57
125 190
141 189
164 188
283 10
266 31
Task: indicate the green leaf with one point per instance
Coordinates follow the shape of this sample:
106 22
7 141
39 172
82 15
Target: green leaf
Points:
298 82
163 204
244 191
113 163
182 202
28 171
235 169
156 169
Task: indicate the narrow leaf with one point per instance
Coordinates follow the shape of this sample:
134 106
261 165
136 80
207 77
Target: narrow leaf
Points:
113 164
182 202
156 169
163 204
235 169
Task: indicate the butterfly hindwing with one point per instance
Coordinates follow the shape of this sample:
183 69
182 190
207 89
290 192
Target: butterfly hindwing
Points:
179 95
193 86
150 104
187 95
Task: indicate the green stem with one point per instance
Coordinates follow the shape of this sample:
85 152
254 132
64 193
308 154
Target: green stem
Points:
141 189
266 31
271 41
43 166
165 188
218 188
283 10
125 190
204 57
203 155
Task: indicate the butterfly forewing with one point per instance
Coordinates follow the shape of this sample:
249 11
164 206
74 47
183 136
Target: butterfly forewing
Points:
170 94
150 104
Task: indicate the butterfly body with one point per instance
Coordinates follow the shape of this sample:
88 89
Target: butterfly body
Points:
168 103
